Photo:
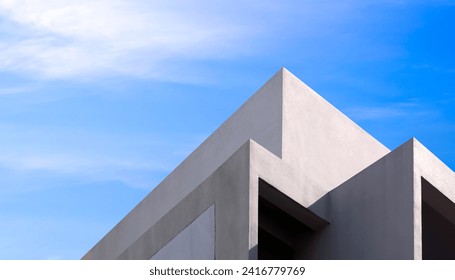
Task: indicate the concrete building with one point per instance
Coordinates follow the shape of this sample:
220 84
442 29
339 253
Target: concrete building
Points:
288 176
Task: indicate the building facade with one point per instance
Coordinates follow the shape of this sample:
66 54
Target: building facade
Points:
288 176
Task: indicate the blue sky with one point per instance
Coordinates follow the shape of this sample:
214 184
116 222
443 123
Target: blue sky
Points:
101 99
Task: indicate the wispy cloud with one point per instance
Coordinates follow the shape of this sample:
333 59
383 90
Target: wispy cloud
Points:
131 172
51 236
66 38
138 161
430 67
76 164
16 90
401 110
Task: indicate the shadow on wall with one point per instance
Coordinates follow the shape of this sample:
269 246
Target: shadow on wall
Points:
285 227
288 230
438 228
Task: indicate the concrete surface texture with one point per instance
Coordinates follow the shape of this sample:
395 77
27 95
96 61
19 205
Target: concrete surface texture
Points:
288 176
196 241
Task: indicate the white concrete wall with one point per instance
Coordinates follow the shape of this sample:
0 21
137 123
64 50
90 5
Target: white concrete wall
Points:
432 169
371 215
259 119
319 141
195 242
226 190
319 147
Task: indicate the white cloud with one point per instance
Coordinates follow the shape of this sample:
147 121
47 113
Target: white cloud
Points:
66 38
48 237
84 38
412 110
70 163
16 90
133 172
136 160
155 39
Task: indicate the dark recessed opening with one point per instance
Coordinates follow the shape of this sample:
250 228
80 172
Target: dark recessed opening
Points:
283 224
278 232
272 248
438 228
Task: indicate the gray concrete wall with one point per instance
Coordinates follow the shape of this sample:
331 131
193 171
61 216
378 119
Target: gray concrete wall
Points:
371 215
377 214
195 242
321 142
227 191
319 147
233 190
259 119
442 178
283 177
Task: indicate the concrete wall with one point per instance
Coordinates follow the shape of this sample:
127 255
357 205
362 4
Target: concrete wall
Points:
195 242
441 199
259 119
371 215
227 191
321 142
302 145
233 192
377 214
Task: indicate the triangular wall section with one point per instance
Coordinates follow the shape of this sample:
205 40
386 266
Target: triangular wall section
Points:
319 141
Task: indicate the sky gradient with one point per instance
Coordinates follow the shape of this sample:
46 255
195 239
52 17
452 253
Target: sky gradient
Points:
101 99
